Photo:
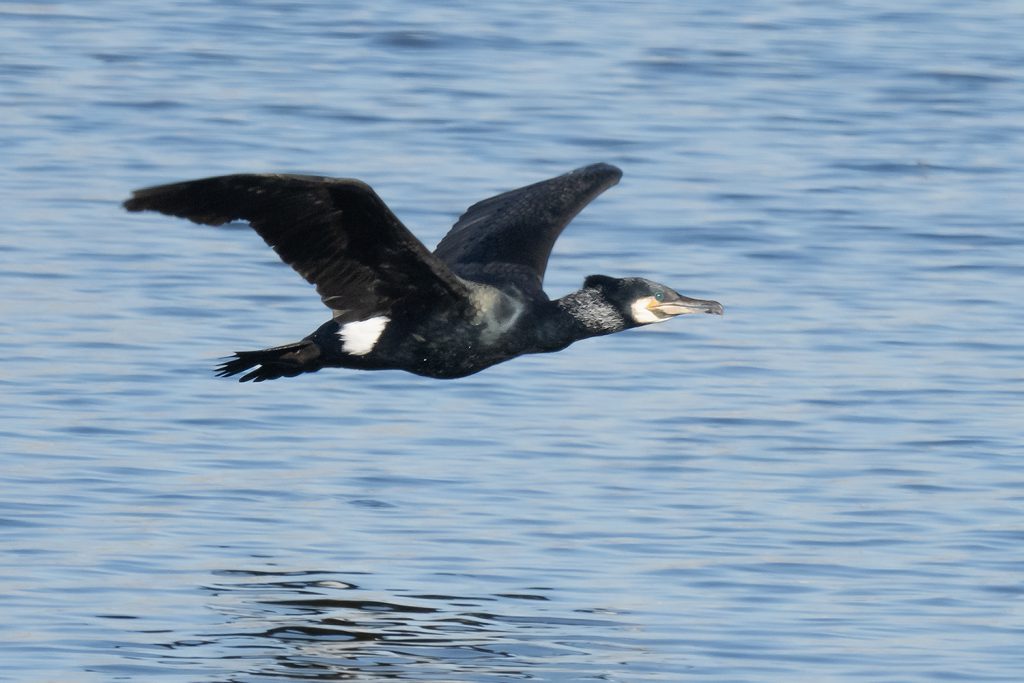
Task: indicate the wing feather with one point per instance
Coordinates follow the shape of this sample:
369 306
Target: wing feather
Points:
510 236
335 232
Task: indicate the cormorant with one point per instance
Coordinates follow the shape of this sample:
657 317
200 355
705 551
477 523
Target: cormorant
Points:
475 301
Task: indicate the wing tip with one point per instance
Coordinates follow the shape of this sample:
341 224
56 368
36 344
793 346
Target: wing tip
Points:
148 198
133 203
603 168
188 199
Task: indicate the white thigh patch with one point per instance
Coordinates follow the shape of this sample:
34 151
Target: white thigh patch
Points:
359 338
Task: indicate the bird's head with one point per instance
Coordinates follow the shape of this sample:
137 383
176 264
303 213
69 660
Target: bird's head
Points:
642 301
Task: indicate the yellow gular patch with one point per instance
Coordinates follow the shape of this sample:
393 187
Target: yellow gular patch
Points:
642 313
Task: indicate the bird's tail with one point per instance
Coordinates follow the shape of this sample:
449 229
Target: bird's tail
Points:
280 361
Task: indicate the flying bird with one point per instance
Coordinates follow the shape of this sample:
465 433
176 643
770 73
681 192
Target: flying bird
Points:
475 301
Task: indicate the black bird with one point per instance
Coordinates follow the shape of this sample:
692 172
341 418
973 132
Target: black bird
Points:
475 301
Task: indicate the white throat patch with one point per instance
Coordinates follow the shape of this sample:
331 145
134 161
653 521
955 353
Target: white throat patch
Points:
642 314
358 338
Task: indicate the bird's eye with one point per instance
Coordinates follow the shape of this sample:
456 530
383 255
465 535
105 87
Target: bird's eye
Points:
659 296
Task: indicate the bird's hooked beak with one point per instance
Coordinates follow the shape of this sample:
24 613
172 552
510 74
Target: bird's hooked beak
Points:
683 305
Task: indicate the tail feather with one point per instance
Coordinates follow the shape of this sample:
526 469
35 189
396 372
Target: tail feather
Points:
280 361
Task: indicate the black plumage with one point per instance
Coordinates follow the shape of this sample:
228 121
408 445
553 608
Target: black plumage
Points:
475 301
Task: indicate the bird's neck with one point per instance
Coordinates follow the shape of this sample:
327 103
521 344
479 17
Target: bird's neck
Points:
591 314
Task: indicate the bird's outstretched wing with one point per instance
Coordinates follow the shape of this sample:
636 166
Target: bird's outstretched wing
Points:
510 236
336 233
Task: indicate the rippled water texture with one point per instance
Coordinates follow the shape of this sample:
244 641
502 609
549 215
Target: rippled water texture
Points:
826 484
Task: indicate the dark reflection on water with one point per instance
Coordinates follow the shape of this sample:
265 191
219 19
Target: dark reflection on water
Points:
313 625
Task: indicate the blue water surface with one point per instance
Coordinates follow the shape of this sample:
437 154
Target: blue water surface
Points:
826 484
